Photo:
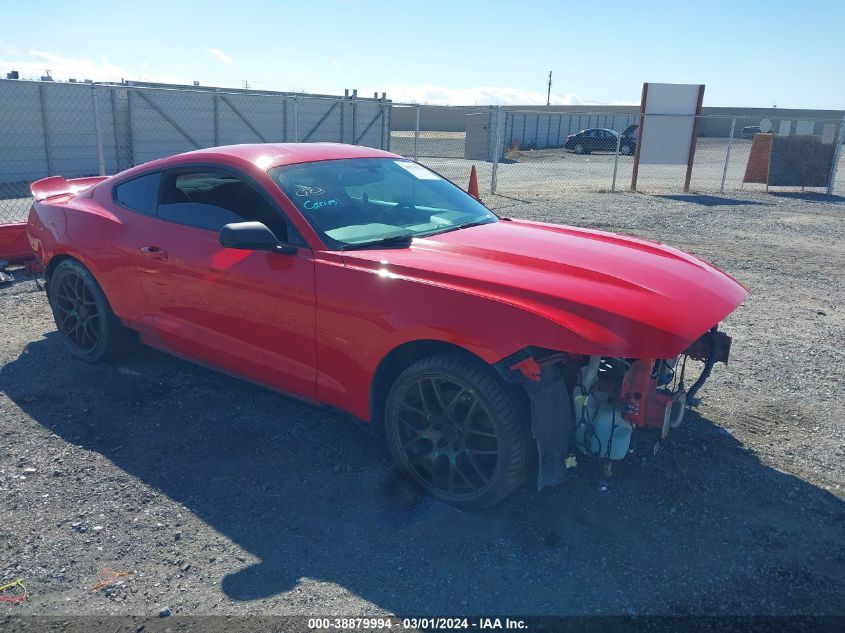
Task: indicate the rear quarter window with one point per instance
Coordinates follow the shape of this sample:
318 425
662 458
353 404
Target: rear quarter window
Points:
139 194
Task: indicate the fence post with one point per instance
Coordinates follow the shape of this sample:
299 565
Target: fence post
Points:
385 138
840 138
98 131
696 122
417 135
132 136
216 103
343 116
118 158
45 128
494 177
727 156
295 119
354 116
616 160
640 123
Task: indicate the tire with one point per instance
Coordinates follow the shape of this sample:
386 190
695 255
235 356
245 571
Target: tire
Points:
579 149
626 150
456 431
88 327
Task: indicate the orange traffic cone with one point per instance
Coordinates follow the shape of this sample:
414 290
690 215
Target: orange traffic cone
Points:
473 184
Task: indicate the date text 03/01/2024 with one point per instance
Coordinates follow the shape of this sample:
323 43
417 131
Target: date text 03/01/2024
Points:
425 623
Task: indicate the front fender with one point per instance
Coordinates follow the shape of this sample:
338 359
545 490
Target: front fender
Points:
363 315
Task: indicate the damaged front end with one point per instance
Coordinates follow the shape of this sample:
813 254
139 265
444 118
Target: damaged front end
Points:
600 406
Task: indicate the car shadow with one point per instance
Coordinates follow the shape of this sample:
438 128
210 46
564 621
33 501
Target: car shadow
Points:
709 201
705 528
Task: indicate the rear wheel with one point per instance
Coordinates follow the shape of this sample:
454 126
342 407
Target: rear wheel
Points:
579 149
83 316
456 431
626 149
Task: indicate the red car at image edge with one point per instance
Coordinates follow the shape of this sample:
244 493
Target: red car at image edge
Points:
485 349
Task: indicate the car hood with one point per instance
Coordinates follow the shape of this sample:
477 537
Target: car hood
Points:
628 296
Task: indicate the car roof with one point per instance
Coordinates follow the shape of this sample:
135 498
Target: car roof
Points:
265 155
275 154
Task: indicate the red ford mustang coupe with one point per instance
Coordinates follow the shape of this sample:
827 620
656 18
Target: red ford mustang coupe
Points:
486 349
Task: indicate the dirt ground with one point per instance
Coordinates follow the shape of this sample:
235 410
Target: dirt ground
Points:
219 497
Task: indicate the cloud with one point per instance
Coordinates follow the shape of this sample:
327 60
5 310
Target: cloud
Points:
220 56
481 95
37 63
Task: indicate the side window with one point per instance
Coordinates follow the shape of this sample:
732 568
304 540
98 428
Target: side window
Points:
209 200
139 194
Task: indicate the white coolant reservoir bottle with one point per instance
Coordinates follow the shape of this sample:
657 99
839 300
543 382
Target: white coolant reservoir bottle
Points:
600 428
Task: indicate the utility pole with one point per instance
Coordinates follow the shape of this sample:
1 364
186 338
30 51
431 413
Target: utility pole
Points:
549 92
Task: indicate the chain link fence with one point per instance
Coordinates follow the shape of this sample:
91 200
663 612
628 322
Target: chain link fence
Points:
45 129
77 130
420 133
543 155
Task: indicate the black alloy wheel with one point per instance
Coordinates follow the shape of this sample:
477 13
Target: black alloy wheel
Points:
84 318
456 431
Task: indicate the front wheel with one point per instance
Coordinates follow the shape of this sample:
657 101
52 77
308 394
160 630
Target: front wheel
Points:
83 316
456 431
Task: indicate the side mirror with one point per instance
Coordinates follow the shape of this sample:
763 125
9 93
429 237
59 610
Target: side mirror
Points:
253 236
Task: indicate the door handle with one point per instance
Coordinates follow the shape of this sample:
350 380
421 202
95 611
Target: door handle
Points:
154 251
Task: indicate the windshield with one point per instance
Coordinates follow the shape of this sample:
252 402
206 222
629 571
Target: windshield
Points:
360 200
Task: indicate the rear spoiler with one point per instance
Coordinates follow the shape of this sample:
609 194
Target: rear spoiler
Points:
57 186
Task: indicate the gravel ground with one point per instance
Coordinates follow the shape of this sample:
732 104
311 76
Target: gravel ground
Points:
219 497
548 174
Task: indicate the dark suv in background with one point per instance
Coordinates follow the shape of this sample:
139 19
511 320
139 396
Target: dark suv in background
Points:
749 131
602 140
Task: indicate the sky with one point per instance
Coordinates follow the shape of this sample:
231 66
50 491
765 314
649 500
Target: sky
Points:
469 52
